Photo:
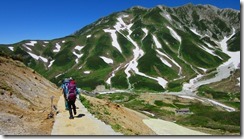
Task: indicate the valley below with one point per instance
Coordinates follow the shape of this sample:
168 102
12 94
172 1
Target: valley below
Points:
199 115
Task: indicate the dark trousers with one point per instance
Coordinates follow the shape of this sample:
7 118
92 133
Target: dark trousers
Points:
71 105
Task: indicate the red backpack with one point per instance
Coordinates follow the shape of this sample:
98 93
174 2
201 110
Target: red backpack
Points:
71 91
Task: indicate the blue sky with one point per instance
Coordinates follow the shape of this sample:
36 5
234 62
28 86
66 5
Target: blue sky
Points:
50 19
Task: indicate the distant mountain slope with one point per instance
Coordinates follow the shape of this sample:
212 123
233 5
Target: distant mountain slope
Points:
158 49
25 100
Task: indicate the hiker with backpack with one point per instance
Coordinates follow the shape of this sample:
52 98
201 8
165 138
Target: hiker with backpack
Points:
64 86
71 97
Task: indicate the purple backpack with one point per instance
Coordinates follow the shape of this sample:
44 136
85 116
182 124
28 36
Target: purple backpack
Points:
71 92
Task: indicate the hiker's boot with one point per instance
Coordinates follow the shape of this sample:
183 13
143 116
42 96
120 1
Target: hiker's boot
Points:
71 117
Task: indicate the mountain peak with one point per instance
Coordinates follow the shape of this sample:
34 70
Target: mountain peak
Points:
139 7
162 34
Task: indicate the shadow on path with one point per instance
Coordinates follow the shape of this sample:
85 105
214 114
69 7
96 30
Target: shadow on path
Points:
80 115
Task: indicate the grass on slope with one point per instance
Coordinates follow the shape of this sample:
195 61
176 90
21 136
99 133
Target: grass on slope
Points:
203 116
234 43
197 56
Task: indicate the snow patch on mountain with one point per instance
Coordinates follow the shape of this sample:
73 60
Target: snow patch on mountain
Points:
11 48
114 38
121 24
161 81
203 69
210 46
195 32
132 65
222 72
58 75
50 64
146 32
158 45
174 34
137 53
88 36
80 67
166 15
87 72
26 47
58 47
209 51
107 60
78 56
37 57
165 61
31 43
172 60
43 59
113 74
79 48
234 56
33 56
177 37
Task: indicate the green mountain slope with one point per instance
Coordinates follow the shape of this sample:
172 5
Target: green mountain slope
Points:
143 49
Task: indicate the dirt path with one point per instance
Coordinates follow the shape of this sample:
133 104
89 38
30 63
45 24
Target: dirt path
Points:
83 124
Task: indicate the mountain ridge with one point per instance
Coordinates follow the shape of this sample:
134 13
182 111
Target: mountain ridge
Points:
160 34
